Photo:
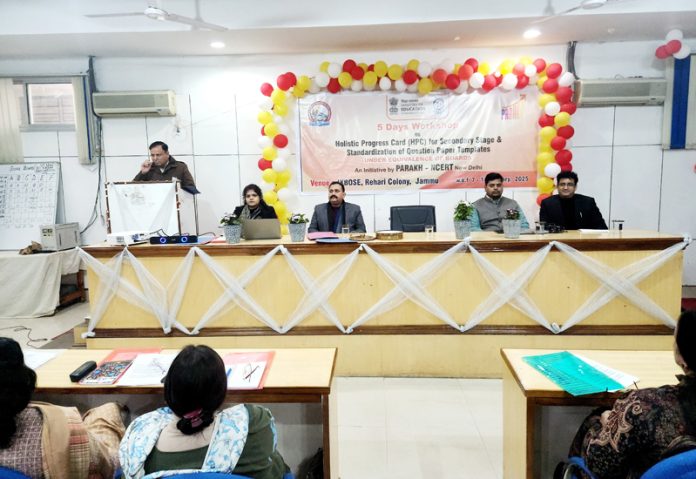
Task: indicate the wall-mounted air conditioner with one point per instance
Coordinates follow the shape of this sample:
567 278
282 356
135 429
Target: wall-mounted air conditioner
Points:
624 91
134 103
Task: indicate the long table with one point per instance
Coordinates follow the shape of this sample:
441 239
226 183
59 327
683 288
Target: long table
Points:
295 376
526 392
408 339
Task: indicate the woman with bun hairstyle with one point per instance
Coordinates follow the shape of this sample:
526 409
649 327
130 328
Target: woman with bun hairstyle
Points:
195 434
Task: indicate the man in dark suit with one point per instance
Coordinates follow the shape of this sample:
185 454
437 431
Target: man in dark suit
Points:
332 216
570 210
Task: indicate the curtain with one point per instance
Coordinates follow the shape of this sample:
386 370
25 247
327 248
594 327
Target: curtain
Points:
10 140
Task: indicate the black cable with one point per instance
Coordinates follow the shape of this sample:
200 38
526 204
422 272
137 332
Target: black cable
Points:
17 329
570 58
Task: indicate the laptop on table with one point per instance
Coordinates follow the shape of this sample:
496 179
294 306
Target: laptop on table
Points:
261 229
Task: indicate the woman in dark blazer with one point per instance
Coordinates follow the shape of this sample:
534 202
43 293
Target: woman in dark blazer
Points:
254 207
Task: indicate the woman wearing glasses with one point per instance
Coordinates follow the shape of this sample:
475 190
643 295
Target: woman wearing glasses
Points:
254 206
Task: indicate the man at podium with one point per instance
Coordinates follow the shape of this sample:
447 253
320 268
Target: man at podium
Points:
161 166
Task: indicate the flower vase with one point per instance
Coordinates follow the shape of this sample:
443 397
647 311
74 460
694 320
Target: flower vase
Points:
511 228
233 233
297 232
462 229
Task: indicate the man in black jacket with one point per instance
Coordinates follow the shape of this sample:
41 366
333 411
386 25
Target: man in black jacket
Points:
161 166
570 210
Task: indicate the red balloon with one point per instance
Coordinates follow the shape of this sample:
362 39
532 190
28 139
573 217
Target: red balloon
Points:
465 71
518 69
673 46
540 64
264 164
292 77
263 130
564 94
545 120
550 86
554 70
473 63
284 82
558 143
348 65
563 157
334 86
541 198
410 77
452 81
567 167
489 82
371 68
439 76
357 73
569 108
566 132
280 140
662 52
498 78
522 81
267 89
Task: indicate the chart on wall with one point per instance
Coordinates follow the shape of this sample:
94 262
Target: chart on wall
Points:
28 199
385 141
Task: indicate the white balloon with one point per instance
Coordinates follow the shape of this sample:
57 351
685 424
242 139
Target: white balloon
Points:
530 70
279 164
266 186
313 87
424 69
675 34
322 79
356 85
277 119
284 152
552 108
384 83
284 194
266 103
412 88
284 129
400 85
447 65
265 141
476 80
509 81
334 70
463 86
683 52
550 170
566 79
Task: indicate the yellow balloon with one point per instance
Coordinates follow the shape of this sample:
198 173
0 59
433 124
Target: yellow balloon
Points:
425 86
412 65
544 159
380 68
506 66
526 60
484 68
324 67
280 109
270 196
269 153
282 210
541 80
457 66
264 117
304 82
545 147
298 92
278 96
545 185
282 179
271 129
547 133
562 119
395 72
370 79
284 227
344 79
269 176
546 98
364 66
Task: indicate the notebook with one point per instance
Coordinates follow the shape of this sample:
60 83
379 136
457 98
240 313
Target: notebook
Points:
261 229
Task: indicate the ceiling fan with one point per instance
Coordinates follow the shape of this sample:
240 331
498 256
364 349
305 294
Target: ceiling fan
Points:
583 5
158 13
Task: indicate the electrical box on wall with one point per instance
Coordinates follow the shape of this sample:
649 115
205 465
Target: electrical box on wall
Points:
134 103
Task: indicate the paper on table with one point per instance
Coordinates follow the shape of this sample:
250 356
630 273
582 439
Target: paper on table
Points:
36 357
147 369
587 230
619 376
247 370
321 234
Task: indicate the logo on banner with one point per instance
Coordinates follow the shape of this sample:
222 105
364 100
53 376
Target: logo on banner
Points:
514 111
319 114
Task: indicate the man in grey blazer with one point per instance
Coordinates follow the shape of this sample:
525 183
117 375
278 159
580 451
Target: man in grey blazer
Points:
336 213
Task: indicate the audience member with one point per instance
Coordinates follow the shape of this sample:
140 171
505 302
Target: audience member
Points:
337 213
568 209
254 206
490 210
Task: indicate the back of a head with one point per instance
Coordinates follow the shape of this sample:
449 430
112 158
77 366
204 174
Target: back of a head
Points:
195 387
685 337
17 383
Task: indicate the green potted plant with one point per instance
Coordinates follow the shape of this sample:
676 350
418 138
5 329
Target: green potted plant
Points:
512 223
297 225
233 228
462 219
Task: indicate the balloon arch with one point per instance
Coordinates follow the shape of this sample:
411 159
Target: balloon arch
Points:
419 77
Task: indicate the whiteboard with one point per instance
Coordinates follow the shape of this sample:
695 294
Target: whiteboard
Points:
143 207
28 199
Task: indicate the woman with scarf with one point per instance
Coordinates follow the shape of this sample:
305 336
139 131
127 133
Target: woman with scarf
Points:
254 206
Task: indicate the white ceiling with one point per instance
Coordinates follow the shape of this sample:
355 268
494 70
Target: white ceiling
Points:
59 28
